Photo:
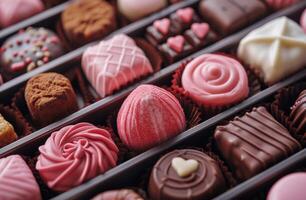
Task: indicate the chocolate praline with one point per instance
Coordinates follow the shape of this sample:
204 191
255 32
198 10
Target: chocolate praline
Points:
29 49
202 180
253 142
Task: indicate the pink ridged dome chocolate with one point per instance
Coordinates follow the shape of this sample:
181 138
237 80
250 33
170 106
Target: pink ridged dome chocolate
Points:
149 115
75 154
16 180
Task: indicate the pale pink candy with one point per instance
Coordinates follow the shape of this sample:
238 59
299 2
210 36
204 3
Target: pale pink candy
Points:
114 63
176 43
200 29
162 25
75 154
303 20
185 14
291 187
279 4
16 180
215 80
13 11
148 116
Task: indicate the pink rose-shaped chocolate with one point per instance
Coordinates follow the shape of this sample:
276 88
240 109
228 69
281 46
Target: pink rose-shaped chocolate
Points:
75 154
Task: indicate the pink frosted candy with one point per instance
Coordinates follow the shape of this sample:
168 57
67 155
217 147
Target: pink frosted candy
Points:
291 187
75 154
185 14
114 63
215 80
162 25
303 21
200 29
279 4
149 115
16 180
13 11
176 43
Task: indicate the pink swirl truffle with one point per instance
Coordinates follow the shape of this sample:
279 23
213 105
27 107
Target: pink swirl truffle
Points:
113 63
215 80
16 180
13 11
75 154
149 115
291 186
279 4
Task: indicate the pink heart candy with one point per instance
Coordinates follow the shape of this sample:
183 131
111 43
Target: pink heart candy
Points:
162 25
176 43
200 29
185 14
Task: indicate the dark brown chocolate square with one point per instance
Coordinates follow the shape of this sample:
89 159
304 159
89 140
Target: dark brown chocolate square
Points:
227 16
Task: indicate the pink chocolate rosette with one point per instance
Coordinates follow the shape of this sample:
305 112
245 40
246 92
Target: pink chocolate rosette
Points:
214 80
75 154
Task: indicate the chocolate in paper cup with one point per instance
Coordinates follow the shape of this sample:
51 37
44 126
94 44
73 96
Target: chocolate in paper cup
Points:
209 111
20 124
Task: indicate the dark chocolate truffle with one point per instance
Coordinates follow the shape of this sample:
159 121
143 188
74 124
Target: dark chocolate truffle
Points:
123 194
88 20
253 142
298 113
227 16
186 174
49 97
29 49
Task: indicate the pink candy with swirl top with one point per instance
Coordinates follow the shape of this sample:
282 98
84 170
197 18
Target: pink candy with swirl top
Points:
75 154
215 80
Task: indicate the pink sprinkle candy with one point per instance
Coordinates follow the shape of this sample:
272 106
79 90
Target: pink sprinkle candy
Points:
17 66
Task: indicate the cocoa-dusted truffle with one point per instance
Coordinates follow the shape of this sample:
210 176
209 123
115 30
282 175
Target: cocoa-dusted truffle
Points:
7 132
186 174
88 20
29 49
49 97
253 142
123 194
298 113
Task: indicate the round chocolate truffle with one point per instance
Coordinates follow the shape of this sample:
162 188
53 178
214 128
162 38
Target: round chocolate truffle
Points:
47 91
298 113
13 11
149 115
291 186
123 194
88 20
135 9
29 49
186 174
75 154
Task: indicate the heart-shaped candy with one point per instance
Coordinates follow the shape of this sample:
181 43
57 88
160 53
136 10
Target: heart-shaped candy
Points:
162 25
176 43
184 167
200 29
185 14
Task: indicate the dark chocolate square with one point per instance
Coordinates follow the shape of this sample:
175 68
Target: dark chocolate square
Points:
227 16
253 142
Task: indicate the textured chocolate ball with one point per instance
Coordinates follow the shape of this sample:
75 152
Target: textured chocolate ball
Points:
49 97
186 174
88 20
28 50
298 113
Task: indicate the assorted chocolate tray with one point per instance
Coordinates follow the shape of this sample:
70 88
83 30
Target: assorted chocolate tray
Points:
192 65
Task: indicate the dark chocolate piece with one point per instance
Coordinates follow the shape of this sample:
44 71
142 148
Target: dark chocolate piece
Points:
123 194
176 49
298 113
197 38
205 182
29 49
227 16
253 142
